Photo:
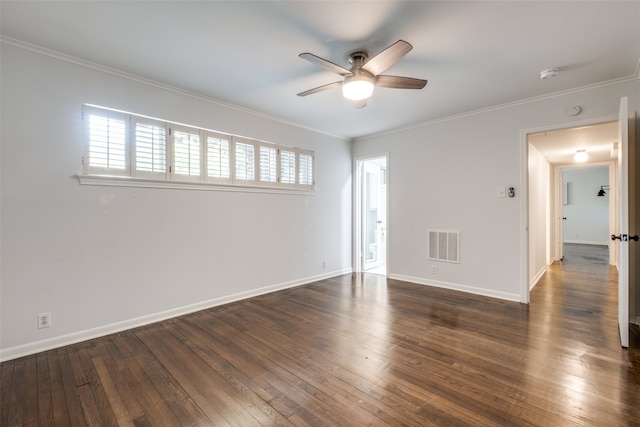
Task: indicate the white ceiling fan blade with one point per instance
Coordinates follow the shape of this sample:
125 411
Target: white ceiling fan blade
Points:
320 88
387 57
328 65
398 82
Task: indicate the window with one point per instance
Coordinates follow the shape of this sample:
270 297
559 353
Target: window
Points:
268 164
186 154
218 157
305 169
152 151
287 166
150 148
245 161
106 143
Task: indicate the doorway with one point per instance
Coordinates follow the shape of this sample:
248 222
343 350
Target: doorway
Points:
549 154
371 214
587 206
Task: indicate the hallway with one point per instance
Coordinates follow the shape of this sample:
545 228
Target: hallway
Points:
579 294
573 316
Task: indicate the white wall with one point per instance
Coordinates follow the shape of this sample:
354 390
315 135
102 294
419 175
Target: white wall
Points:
444 175
106 258
539 215
587 214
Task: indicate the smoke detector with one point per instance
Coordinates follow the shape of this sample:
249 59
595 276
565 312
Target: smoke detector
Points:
547 74
574 110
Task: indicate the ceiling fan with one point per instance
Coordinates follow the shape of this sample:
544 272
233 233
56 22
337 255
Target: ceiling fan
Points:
364 74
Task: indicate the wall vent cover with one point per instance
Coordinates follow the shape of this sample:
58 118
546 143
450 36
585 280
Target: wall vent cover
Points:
444 246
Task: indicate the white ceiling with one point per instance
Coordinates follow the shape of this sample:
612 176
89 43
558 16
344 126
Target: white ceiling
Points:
560 146
475 54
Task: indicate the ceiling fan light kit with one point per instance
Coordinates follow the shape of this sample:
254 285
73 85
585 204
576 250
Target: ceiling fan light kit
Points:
357 87
359 81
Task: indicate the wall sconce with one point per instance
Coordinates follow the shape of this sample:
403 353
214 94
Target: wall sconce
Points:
601 193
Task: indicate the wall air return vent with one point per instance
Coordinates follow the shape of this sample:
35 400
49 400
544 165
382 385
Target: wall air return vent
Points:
444 245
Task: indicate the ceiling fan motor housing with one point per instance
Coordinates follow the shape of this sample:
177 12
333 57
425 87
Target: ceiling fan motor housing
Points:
358 59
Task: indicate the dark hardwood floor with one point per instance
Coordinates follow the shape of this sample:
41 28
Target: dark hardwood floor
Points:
353 351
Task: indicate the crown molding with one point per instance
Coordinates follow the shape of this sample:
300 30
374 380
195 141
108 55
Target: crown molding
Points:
122 74
506 105
149 82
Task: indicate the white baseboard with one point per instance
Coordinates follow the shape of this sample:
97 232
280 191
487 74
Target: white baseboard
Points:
537 278
458 287
76 337
588 242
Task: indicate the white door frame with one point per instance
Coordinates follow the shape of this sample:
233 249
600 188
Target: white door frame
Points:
524 203
557 209
371 168
358 166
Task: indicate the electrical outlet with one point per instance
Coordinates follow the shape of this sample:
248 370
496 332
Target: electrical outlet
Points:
44 320
433 269
324 264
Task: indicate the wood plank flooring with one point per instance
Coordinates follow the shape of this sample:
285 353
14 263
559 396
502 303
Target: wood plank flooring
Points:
353 351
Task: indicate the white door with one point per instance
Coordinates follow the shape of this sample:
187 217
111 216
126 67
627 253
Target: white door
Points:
623 222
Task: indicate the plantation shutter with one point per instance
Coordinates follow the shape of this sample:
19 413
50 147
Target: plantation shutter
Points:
186 154
245 166
305 169
218 157
287 166
107 147
268 164
120 144
150 148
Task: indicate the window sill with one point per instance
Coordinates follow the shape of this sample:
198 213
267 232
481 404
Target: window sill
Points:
124 181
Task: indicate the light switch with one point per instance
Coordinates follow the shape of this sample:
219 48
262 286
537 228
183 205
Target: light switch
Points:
502 192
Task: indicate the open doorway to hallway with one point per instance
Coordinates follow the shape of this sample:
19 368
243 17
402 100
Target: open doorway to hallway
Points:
543 187
554 196
371 215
